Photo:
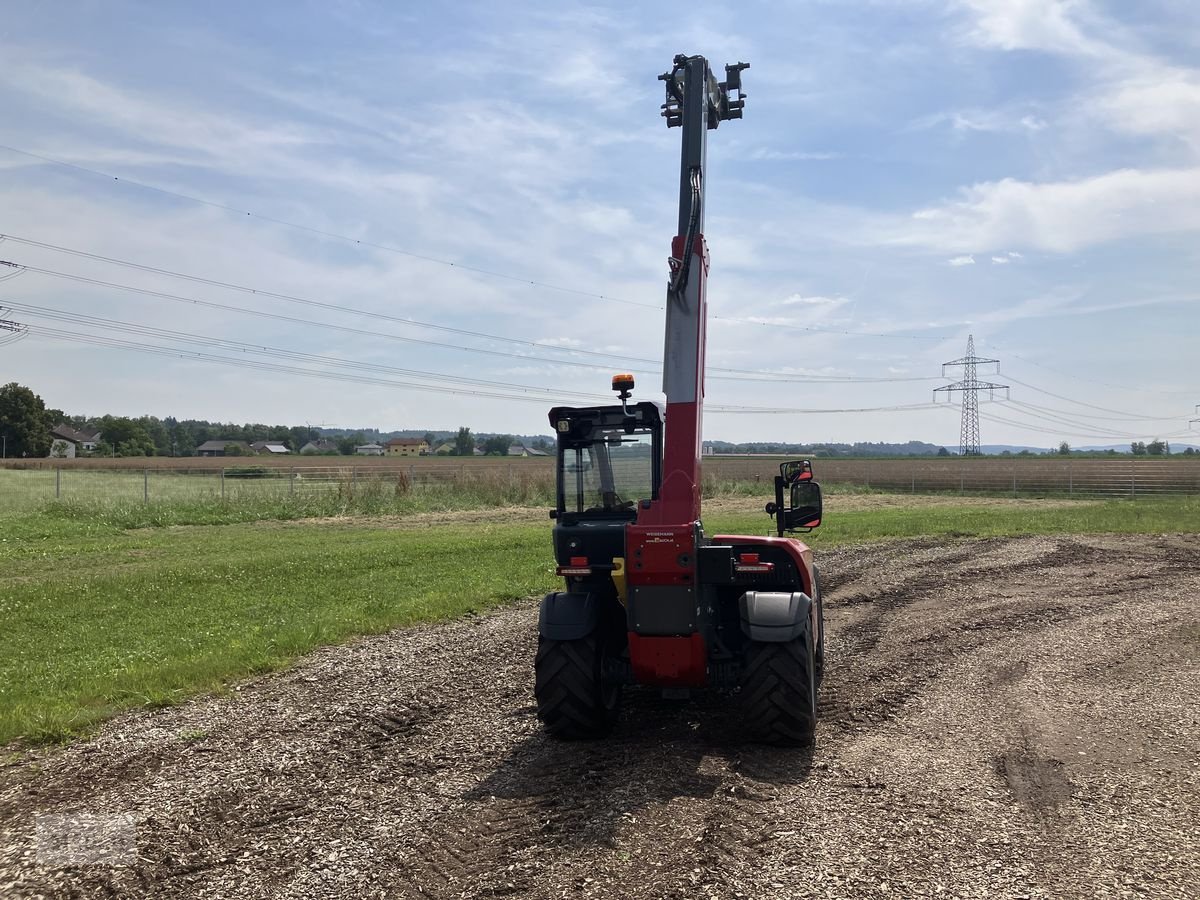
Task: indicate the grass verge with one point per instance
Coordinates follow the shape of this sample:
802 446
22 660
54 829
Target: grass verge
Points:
98 618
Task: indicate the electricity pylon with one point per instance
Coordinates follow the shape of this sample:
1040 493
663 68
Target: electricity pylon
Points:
969 387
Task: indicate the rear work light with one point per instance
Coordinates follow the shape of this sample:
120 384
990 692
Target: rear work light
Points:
749 562
577 566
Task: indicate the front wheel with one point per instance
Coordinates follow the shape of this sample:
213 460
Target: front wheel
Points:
573 700
778 690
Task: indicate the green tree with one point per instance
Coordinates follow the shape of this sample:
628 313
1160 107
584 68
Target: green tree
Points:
942 451
128 436
497 445
347 442
464 443
300 435
24 430
1138 448
1064 449
1158 448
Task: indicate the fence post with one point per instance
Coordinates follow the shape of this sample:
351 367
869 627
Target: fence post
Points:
292 480
914 482
1133 479
353 478
1070 480
962 481
222 484
1014 474
145 485
58 483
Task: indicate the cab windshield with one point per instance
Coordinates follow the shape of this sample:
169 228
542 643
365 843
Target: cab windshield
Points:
607 474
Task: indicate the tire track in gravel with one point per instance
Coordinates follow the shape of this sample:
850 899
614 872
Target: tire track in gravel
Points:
412 765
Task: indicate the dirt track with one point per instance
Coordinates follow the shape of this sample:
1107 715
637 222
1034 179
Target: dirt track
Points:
1006 718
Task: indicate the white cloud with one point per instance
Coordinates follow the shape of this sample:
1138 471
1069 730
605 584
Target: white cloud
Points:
982 121
1163 101
771 154
961 261
1060 216
1048 25
1000 260
799 299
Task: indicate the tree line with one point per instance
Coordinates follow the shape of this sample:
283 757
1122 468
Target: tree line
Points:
26 423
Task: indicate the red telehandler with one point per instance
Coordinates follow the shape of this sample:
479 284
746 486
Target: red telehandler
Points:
650 599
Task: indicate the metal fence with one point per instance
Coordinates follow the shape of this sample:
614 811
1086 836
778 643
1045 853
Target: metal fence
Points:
26 488
1085 477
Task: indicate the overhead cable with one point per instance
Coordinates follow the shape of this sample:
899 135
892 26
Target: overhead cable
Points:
426 258
729 373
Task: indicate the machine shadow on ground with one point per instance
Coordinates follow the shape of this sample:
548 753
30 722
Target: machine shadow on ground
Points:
660 751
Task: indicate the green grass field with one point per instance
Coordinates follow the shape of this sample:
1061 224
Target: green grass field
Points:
99 616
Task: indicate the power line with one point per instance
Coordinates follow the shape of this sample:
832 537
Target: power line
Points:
1082 415
730 373
1075 377
339 362
119 343
1069 400
329 234
10 331
1017 408
260 365
794 410
1063 432
432 259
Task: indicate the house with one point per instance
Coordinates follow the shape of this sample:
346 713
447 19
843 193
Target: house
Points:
272 447
324 445
67 442
522 450
446 448
407 447
369 450
218 448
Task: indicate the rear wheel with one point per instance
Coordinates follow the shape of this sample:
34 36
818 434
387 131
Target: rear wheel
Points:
573 700
778 690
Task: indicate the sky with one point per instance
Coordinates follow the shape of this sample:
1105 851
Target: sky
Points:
464 211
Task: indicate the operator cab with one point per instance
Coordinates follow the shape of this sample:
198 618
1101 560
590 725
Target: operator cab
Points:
609 460
609 464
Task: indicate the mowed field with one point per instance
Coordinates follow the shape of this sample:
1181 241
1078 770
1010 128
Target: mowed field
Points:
1007 712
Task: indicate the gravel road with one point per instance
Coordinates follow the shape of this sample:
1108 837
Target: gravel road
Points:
1002 718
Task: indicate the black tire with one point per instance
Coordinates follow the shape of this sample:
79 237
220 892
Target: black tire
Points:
778 690
573 701
819 652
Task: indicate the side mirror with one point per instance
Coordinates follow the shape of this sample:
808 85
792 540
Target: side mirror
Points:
805 507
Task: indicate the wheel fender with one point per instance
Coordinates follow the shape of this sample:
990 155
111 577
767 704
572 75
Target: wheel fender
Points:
774 616
568 617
